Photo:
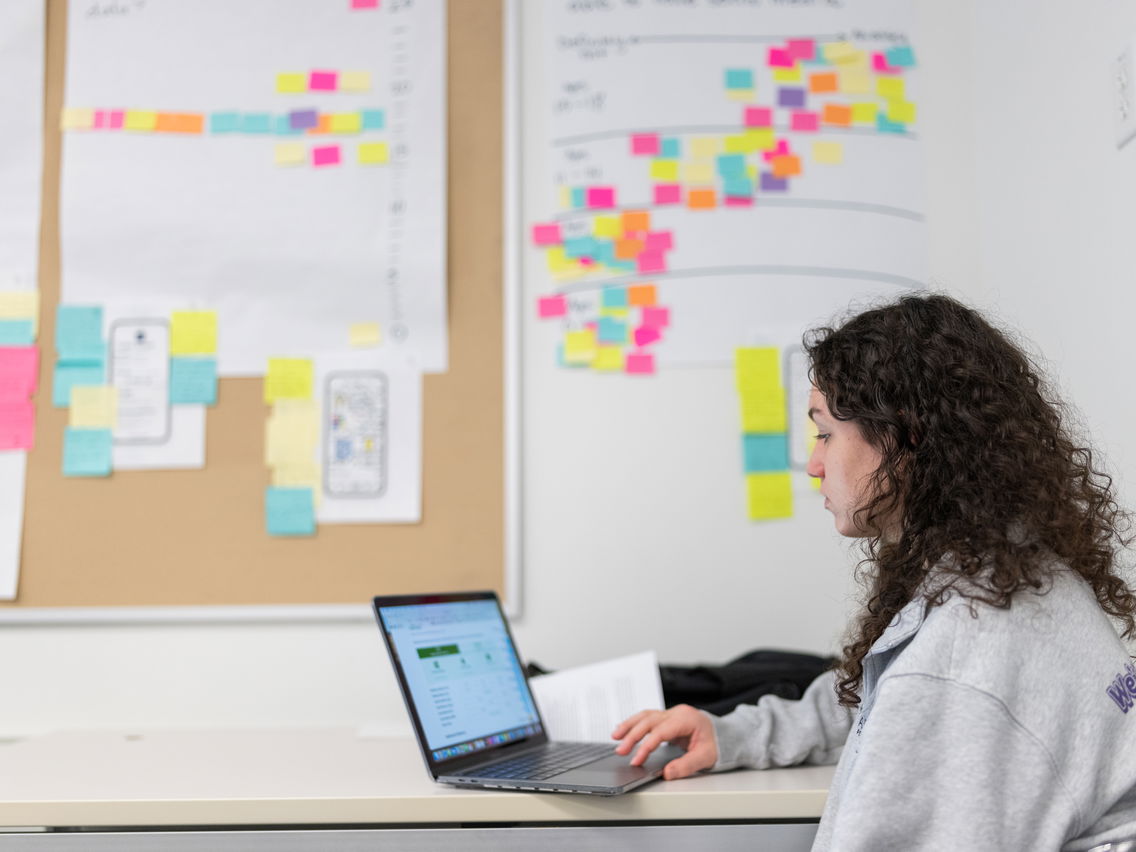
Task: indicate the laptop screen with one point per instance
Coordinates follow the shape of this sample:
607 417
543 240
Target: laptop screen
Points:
463 675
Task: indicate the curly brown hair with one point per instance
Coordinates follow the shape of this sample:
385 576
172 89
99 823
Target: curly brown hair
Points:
978 466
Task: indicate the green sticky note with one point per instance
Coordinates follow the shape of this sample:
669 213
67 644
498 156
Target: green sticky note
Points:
87 452
290 511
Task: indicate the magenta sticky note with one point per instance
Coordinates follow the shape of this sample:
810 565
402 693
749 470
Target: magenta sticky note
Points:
880 65
586 261
101 119
646 335
758 117
364 4
656 317
779 57
325 155
19 372
659 241
551 306
323 81
601 196
668 193
547 234
801 48
640 363
17 425
652 261
115 119
739 201
645 143
804 121
781 150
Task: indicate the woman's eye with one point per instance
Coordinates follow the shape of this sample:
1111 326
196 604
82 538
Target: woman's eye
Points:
821 436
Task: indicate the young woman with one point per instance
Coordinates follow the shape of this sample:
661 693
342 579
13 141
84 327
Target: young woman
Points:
984 699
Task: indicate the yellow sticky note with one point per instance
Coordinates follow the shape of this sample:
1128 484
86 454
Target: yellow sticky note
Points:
705 146
20 304
77 118
738 144
664 170
565 196
787 75
838 52
770 495
579 346
291 438
855 81
607 226
140 119
831 153
891 88
864 113
193 333
741 95
299 474
764 412
901 111
615 313
373 153
698 172
608 358
365 334
758 367
94 407
291 154
288 378
557 259
346 122
293 82
355 81
760 138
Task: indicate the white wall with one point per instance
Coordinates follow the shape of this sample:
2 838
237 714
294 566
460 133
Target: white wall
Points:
1028 214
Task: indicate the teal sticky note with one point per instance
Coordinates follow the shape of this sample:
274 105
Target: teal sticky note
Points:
579 246
614 297
290 511
256 122
579 196
193 381
604 251
68 376
86 354
669 148
283 126
224 122
737 187
901 56
87 452
78 326
731 165
739 78
372 119
765 452
17 332
885 126
611 330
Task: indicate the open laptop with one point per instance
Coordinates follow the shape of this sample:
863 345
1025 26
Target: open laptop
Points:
473 712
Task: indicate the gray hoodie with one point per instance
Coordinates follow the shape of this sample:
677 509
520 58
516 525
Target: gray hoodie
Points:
999 729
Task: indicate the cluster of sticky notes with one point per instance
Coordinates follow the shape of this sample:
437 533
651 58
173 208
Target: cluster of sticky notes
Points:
334 154
765 432
19 375
617 242
302 82
294 122
19 317
291 441
193 358
619 340
80 384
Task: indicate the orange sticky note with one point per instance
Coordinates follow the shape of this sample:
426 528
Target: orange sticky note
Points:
826 82
701 199
628 249
323 125
786 165
642 295
838 114
636 220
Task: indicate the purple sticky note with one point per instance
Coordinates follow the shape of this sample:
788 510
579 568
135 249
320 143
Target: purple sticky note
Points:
656 317
17 425
773 184
551 306
546 234
323 81
640 363
652 261
791 96
758 117
19 371
779 57
659 241
804 121
325 155
646 335
668 193
801 48
645 143
115 119
601 196
302 119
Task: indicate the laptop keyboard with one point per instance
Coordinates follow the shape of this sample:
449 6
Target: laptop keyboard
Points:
551 760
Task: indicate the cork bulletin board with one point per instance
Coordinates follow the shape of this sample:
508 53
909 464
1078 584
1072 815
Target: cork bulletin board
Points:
195 538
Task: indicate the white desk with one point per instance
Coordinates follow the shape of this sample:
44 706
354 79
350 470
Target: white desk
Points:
332 789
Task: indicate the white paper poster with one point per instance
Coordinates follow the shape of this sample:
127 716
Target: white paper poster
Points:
13 471
281 163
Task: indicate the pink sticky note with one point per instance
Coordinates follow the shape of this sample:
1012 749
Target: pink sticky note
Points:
647 334
659 241
101 119
781 150
804 121
364 4
325 155
880 65
758 117
601 196
801 48
779 57
19 371
593 325
323 81
739 201
645 143
586 261
656 317
115 119
640 363
652 261
668 193
546 234
17 425
551 306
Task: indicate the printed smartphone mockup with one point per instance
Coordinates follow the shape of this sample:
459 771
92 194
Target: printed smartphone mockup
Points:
355 446
140 370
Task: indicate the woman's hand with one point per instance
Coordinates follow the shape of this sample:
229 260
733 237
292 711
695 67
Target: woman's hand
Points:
681 725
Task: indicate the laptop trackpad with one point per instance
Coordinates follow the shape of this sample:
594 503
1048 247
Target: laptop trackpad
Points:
615 770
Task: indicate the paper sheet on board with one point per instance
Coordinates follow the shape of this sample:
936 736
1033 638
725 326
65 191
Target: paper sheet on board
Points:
13 469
